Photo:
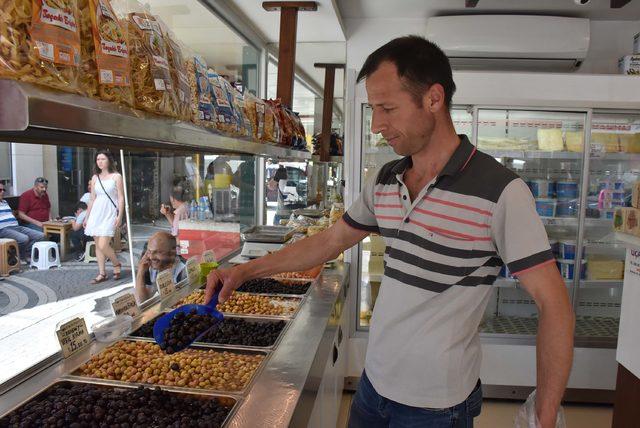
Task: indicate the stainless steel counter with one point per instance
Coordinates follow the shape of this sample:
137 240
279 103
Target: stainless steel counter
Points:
284 391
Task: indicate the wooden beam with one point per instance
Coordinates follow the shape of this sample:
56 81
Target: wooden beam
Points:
617 4
327 107
470 3
287 44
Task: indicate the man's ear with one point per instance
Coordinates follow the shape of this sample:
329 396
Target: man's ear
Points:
433 99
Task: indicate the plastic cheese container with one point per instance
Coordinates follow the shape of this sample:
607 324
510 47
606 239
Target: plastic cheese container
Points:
566 268
567 208
546 207
542 188
567 189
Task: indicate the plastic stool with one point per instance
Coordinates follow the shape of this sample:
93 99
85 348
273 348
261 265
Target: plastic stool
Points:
45 257
9 257
90 252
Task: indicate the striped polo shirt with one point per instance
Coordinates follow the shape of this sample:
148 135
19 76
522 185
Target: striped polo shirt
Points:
6 215
443 252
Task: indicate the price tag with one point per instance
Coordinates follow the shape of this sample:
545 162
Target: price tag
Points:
165 283
208 257
597 150
193 269
73 336
124 304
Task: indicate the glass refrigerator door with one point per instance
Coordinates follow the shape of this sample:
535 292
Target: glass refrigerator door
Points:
375 153
614 165
545 149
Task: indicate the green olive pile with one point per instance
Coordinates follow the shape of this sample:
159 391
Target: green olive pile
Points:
183 329
145 362
272 286
80 405
236 331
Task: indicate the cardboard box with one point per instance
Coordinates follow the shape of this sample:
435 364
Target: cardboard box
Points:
636 44
635 194
629 64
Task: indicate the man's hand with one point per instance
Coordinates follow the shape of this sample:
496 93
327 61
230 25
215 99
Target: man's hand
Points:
227 279
39 224
163 209
144 263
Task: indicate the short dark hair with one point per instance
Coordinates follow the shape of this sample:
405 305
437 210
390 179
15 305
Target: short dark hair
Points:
80 206
41 180
179 193
420 64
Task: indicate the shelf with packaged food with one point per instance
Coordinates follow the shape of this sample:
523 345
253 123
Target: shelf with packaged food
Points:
32 114
573 222
502 282
531 154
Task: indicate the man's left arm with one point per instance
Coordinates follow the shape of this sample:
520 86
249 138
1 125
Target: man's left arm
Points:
554 344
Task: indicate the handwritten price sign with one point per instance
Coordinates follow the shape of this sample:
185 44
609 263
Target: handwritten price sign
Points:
165 283
73 336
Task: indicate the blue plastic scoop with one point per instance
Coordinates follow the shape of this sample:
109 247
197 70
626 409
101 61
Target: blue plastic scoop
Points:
164 321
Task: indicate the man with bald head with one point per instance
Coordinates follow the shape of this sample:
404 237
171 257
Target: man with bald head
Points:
159 256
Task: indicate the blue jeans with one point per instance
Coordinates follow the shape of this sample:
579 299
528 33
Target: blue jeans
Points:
24 236
371 410
33 227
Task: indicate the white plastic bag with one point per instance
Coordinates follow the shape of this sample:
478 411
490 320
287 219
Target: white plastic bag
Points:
527 418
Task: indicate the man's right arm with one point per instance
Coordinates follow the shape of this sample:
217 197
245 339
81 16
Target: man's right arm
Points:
301 255
28 219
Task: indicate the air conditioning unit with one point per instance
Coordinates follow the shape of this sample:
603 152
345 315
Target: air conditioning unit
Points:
511 42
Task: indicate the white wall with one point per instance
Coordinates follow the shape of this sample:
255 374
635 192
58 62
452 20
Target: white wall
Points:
609 40
27 164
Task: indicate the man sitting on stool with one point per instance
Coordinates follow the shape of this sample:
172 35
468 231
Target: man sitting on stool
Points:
35 208
160 255
10 229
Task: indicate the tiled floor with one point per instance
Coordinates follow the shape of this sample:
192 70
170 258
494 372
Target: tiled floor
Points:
497 414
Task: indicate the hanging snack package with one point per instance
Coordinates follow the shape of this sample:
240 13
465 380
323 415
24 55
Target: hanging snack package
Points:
150 72
105 54
240 108
201 110
272 132
179 73
225 116
40 42
254 109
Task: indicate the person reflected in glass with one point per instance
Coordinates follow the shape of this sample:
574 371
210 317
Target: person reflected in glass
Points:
10 229
178 210
104 215
87 196
159 256
34 207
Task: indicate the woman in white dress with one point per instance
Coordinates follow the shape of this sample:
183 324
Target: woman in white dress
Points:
104 214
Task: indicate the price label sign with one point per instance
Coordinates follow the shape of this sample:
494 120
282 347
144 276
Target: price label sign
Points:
208 257
124 304
73 336
597 151
165 283
193 269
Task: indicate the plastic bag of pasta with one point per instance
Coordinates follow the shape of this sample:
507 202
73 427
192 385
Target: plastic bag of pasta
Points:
201 109
105 54
239 108
175 52
226 121
150 72
254 109
286 127
40 42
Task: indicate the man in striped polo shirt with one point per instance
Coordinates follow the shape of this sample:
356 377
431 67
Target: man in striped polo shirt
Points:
450 217
10 229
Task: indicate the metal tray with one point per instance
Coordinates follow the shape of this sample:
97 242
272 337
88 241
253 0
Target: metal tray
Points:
247 318
295 280
308 212
100 383
241 392
268 234
299 297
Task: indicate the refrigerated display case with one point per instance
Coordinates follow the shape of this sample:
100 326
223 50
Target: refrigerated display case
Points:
570 138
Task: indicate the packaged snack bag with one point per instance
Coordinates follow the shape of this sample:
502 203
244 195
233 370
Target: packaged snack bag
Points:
105 54
40 42
272 131
225 116
255 111
202 111
150 72
179 73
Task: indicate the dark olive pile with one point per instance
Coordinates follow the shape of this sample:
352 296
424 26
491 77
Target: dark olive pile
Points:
236 331
77 405
184 328
272 286
146 329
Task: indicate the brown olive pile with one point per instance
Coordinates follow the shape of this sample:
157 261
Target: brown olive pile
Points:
145 362
294 275
80 405
272 286
242 303
183 330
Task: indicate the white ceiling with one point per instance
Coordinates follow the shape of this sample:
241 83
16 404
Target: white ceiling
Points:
594 10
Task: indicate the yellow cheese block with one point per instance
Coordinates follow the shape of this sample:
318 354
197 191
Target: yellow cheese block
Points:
608 140
574 141
604 268
630 143
550 140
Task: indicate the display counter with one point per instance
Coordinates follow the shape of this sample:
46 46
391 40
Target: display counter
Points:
288 386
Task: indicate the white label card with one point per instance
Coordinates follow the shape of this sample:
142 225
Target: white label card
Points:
597 150
208 257
73 336
124 304
165 283
193 269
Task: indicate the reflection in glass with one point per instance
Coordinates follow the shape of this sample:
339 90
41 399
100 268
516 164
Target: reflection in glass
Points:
287 188
34 300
